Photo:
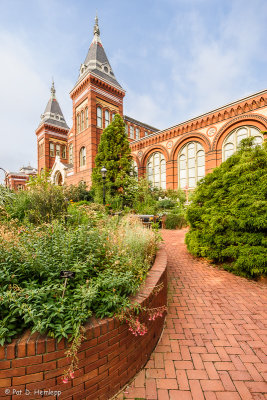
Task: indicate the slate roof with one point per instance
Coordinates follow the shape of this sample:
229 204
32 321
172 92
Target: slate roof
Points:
96 60
53 114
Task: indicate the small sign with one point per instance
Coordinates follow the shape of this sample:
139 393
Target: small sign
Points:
67 274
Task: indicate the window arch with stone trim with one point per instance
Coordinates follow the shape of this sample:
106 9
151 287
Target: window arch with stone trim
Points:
107 118
64 151
99 117
82 120
78 123
156 170
191 165
71 153
82 156
233 139
86 117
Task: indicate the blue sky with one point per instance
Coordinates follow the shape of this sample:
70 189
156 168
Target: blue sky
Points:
176 59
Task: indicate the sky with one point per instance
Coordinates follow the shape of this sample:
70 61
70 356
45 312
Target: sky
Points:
176 59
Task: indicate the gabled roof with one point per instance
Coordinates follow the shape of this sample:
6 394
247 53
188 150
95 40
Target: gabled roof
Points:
96 60
53 114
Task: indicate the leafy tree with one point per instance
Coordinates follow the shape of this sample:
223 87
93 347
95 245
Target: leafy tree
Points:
114 153
228 214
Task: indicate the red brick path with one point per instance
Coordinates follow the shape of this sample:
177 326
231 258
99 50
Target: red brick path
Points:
214 343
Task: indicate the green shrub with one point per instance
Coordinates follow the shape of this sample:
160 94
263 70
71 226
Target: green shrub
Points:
228 213
165 204
79 193
175 221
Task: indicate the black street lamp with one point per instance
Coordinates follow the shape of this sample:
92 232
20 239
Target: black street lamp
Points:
104 173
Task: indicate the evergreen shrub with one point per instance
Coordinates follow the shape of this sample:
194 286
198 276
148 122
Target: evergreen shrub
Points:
228 213
175 221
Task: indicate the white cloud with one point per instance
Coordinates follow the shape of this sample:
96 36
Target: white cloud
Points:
24 93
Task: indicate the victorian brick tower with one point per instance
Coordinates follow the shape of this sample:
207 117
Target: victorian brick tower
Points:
52 134
97 97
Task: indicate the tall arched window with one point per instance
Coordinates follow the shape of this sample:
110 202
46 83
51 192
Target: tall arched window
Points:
58 150
156 170
86 117
231 142
106 118
82 157
78 123
51 149
71 153
64 151
191 165
82 120
99 117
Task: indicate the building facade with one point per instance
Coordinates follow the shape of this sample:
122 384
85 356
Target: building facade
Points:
175 157
19 180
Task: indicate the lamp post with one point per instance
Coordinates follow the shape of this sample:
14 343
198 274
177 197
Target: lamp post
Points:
5 175
104 173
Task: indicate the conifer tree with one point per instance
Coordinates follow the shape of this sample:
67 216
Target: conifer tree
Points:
228 214
114 153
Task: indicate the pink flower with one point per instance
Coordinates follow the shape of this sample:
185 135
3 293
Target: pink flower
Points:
65 379
72 375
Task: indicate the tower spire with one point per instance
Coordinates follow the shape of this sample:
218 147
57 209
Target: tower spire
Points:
53 90
96 27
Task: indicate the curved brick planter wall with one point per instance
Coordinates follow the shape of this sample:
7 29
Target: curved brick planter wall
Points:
109 357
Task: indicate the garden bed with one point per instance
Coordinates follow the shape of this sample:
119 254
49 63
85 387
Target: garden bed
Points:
33 365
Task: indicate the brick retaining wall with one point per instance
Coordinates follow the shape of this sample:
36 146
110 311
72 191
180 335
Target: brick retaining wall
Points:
109 356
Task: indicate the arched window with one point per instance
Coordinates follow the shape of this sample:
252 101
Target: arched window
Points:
113 116
106 118
64 151
99 117
156 170
58 150
191 165
51 149
82 120
71 153
78 123
86 117
82 157
231 142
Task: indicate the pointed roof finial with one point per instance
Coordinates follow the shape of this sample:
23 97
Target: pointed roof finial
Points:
53 90
96 27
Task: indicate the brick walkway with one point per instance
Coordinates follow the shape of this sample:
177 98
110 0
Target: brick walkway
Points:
214 343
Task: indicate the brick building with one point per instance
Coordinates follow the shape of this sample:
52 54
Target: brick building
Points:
174 157
18 180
